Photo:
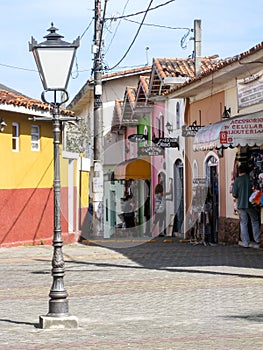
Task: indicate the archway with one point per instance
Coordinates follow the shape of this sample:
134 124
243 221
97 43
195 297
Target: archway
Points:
178 196
211 167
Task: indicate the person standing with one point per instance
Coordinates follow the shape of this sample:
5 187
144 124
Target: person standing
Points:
129 216
242 190
159 212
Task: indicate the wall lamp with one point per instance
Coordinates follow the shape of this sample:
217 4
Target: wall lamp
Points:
169 127
2 125
227 113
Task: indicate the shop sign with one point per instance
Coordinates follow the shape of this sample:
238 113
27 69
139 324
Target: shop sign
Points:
247 127
190 130
250 90
138 138
150 151
167 142
223 137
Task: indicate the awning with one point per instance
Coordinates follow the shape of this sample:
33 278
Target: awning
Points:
242 130
133 169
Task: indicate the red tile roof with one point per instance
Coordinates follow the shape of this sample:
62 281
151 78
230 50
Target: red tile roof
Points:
117 115
143 89
126 72
175 67
14 98
222 63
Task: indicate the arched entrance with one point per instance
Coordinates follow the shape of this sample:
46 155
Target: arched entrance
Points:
178 196
213 196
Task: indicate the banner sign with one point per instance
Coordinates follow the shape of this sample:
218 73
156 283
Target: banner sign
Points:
242 129
167 142
223 137
250 90
190 130
150 151
138 138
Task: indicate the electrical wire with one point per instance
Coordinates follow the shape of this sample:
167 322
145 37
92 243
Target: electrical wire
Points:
15 67
105 53
85 31
75 75
140 12
133 41
113 19
157 25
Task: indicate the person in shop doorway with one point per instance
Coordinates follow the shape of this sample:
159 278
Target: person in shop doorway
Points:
147 211
128 214
242 190
159 211
207 216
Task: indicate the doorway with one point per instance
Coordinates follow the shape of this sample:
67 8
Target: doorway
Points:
212 177
178 196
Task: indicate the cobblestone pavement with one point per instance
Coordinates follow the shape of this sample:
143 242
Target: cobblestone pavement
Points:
159 295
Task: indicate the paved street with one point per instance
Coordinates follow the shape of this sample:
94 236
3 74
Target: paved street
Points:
159 295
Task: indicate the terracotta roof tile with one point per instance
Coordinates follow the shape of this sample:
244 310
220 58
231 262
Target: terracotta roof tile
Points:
13 98
144 83
175 67
208 69
143 92
131 94
117 115
126 72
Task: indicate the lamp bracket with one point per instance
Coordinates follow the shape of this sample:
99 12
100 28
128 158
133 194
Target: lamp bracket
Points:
64 97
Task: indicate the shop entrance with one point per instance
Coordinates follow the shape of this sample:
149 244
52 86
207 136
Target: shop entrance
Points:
252 157
178 196
212 198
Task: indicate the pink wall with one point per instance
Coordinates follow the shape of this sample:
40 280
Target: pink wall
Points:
157 161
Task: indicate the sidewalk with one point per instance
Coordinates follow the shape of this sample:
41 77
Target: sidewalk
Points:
160 295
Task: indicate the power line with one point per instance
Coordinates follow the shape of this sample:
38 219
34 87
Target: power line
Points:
140 12
113 19
116 29
15 67
157 25
133 41
85 31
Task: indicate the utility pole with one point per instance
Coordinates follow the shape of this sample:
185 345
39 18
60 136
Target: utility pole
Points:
197 46
97 180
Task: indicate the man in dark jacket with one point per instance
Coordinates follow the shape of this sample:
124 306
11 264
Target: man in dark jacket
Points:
242 190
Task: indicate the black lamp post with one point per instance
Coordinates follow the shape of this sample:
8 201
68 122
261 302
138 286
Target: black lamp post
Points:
54 59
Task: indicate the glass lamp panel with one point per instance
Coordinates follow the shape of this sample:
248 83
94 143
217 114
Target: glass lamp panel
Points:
56 66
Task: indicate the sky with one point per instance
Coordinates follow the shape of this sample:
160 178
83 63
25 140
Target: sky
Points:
229 27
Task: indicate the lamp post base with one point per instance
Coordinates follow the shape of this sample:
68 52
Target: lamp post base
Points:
48 322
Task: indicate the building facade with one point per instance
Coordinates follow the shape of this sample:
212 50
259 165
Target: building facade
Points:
26 178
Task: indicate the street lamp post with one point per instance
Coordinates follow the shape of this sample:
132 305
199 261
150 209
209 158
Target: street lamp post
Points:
54 59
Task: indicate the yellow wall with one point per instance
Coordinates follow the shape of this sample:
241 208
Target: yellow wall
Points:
26 168
84 189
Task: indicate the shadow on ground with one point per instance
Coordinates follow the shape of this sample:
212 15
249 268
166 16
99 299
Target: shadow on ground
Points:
170 253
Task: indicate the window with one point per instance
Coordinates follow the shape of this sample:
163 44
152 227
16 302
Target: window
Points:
145 132
35 137
178 116
15 137
161 125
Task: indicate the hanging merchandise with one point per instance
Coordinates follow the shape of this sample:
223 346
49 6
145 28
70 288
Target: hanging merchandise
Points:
256 165
255 197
